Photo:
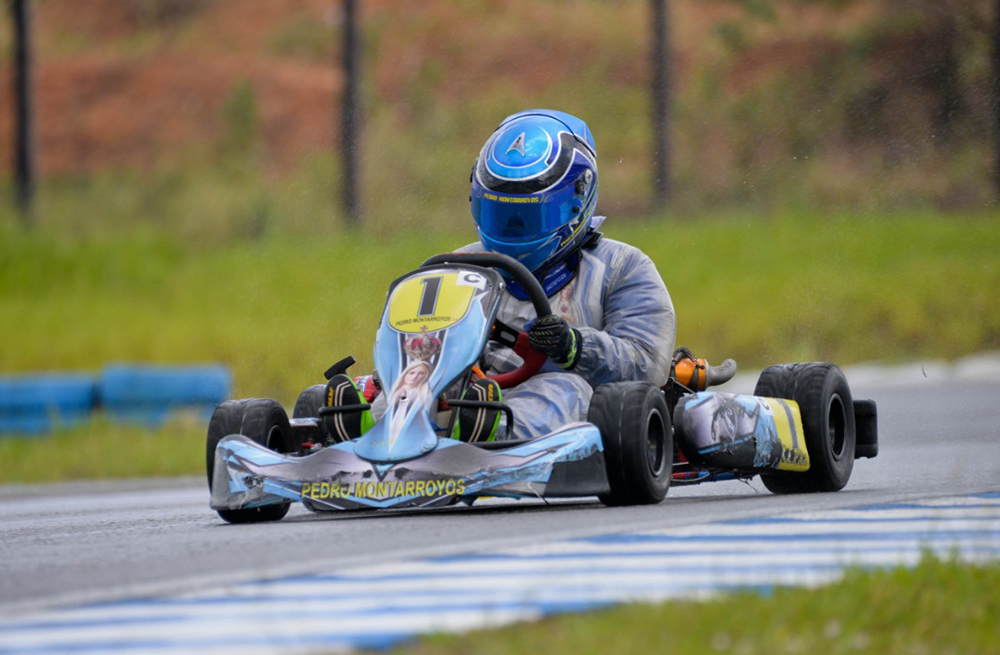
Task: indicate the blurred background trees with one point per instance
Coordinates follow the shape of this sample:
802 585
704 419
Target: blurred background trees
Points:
222 119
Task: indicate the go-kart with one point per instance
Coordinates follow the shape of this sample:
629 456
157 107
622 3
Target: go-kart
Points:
800 431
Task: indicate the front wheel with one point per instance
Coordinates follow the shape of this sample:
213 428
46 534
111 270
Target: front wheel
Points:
824 399
638 441
265 422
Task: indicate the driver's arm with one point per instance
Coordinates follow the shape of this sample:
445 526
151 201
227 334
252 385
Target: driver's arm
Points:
637 338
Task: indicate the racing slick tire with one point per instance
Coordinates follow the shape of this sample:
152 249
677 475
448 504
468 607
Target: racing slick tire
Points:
309 402
825 402
261 420
638 441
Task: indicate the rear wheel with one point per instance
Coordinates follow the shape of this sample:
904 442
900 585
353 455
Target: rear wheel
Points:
638 441
824 399
265 422
309 402
313 431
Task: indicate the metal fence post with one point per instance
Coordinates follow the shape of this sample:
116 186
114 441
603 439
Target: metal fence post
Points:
995 101
24 149
660 92
349 115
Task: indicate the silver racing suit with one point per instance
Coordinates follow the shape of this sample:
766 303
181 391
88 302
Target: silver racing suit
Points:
623 311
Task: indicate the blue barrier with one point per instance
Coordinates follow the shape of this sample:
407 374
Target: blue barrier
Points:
38 403
150 394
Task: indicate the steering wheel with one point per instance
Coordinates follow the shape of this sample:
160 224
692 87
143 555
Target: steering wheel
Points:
533 359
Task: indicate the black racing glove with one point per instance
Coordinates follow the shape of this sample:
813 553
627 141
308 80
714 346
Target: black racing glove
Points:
554 337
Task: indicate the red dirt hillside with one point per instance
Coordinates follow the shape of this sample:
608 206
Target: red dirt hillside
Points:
119 86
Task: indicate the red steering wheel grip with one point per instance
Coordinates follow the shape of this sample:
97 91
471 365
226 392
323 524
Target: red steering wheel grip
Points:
533 361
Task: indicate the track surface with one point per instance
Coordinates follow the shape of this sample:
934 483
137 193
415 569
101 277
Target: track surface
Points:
939 434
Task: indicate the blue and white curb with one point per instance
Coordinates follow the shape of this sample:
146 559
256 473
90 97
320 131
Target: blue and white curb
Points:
378 606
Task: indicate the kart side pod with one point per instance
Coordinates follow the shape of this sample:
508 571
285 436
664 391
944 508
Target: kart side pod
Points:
740 432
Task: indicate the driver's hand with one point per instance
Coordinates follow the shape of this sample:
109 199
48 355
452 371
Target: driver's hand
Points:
551 335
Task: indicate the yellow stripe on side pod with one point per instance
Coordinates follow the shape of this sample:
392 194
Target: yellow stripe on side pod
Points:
788 421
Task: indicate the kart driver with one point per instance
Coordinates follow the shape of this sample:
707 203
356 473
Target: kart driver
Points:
534 192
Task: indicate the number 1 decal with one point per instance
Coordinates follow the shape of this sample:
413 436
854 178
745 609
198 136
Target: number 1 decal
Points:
430 302
429 297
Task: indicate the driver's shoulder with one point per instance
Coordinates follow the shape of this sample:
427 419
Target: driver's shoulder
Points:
617 258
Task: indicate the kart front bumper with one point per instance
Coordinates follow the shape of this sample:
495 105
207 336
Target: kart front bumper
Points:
565 463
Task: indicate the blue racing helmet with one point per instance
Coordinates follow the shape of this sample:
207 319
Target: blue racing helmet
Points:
534 187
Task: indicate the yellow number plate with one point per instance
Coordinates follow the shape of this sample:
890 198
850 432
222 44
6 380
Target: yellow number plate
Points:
432 301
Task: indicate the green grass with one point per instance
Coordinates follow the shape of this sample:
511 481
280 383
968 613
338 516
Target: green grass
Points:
280 307
841 287
103 449
940 607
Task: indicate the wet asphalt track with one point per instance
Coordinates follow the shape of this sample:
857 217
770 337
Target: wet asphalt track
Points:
939 432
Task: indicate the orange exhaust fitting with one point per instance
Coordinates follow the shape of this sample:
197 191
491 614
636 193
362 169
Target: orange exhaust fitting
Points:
691 373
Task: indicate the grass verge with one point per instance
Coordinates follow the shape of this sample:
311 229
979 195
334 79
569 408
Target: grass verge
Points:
102 449
279 309
942 607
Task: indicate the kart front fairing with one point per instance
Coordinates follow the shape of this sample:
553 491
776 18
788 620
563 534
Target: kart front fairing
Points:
435 325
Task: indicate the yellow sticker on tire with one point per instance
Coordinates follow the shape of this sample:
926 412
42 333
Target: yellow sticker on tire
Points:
788 423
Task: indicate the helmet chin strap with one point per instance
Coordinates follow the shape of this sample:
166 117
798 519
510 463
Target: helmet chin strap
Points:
556 275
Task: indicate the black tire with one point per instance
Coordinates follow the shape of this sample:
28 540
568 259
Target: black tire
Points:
262 420
638 441
824 399
309 402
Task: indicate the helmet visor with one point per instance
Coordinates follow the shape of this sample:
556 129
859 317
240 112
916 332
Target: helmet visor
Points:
522 218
